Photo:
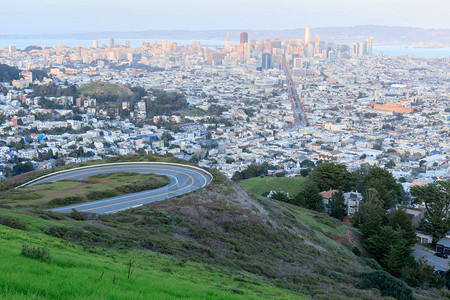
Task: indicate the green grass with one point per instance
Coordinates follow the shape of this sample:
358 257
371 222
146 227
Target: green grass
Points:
75 273
102 88
193 112
261 186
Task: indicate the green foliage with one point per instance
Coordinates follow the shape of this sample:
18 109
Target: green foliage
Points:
307 164
421 275
309 197
13 222
230 160
436 197
65 201
166 103
388 285
371 215
97 195
36 253
400 221
280 196
22 168
39 74
51 90
337 206
253 170
332 176
8 74
389 191
76 215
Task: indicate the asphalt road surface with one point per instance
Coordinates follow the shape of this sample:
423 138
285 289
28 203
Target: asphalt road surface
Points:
182 180
428 254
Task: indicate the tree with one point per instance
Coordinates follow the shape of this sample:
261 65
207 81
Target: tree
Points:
337 206
389 191
400 222
309 197
390 164
421 275
307 164
437 203
230 160
371 215
280 196
194 159
22 168
331 176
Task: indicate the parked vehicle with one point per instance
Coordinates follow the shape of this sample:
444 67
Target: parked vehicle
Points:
441 255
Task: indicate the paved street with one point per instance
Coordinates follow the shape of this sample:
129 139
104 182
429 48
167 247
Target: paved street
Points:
421 251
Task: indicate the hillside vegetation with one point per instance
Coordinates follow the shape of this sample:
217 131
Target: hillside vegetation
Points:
219 242
261 186
100 88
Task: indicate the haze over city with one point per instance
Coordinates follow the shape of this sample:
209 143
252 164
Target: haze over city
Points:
54 16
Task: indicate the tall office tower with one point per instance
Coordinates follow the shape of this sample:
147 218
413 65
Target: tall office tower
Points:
307 34
12 49
246 52
95 44
266 61
276 43
111 42
365 50
228 43
79 50
244 37
370 46
164 44
317 50
128 43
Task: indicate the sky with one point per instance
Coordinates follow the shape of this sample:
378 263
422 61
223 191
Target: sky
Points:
79 16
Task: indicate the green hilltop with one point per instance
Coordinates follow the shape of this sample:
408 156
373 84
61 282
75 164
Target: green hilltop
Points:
100 88
219 242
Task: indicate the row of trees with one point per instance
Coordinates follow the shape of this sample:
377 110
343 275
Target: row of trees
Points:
253 170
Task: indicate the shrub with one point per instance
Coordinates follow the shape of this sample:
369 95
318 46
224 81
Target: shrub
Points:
356 251
388 285
36 253
421 275
65 201
13 222
76 215
96 195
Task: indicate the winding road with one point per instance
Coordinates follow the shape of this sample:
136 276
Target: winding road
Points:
183 179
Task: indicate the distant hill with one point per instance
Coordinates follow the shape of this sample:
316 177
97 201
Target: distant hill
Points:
8 74
381 34
101 88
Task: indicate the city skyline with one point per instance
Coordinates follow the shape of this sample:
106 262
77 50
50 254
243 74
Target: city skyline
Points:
53 17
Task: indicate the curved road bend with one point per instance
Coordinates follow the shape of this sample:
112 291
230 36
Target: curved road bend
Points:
182 180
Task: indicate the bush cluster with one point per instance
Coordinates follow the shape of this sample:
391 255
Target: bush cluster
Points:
388 285
13 222
65 201
36 253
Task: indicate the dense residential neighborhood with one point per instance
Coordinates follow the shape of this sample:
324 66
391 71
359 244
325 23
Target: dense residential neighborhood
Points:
362 109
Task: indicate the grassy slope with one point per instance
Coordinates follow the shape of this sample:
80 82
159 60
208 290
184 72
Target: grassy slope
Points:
76 273
217 242
260 186
99 87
